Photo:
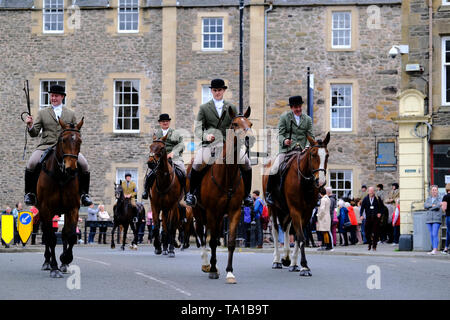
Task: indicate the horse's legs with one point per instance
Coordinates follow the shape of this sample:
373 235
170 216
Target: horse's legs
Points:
286 261
157 239
304 271
69 237
171 233
206 267
47 253
276 263
213 273
234 218
135 230
124 240
50 244
113 245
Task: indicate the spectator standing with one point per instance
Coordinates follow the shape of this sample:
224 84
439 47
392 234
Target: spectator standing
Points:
371 209
258 209
433 217
446 208
343 220
55 223
363 192
353 221
323 222
36 223
396 223
15 213
102 216
149 223
92 216
380 193
247 224
357 210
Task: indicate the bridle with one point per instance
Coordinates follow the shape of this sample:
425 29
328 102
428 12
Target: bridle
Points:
59 162
156 166
309 169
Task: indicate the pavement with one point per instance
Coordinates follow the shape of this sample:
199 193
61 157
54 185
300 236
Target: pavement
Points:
383 250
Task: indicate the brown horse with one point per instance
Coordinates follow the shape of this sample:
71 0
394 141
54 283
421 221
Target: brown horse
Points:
222 192
58 193
306 174
165 195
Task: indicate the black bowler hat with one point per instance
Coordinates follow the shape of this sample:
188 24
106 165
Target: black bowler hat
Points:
295 101
218 84
127 174
57 89
164 117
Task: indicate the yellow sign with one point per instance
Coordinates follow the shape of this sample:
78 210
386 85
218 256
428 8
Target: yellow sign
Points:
7 228
25 225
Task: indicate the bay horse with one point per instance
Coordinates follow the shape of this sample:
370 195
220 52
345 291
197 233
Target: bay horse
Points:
165 196
222 192
305 175
57 194
125 216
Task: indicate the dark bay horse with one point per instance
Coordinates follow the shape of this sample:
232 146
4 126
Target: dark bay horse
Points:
165 195
125 216
57 194
222 192
306 174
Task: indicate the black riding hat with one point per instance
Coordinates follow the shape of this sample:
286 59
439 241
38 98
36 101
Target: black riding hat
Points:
164 117
127 174
218 84
295 101
57 89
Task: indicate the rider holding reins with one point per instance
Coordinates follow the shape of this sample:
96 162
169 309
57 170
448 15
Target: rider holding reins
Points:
47 121
293 128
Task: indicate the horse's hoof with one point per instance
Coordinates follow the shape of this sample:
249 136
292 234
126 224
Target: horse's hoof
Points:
63 268
56 274
165 253
286 262
304 272
206 268
113 246
214 275
277 265
46 266
158 251
171 254
123 248
294 269
230 278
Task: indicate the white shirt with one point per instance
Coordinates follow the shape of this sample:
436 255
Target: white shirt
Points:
297 119
219 106
58 111
165 131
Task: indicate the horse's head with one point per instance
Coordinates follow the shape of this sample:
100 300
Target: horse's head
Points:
318 159
68 147
157 152
242 127
118 190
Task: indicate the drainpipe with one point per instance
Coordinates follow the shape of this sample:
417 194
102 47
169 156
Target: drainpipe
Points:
265 59
430 58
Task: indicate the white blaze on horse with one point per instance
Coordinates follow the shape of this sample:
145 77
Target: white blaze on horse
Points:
305 175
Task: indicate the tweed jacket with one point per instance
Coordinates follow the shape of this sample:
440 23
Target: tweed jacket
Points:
46 120
174 142
299 132
131 189
208 119
434 213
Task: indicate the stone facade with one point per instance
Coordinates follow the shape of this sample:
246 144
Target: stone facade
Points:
91 57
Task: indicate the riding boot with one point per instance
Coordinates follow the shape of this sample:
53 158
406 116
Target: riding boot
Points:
84 188
31 178
195 180
247 177
149 179
271 183
181 179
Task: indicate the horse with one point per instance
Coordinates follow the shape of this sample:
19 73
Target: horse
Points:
165 195
306 174
222 192
125 216
57 194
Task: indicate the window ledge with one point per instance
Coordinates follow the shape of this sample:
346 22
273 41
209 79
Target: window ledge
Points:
444 8
444 109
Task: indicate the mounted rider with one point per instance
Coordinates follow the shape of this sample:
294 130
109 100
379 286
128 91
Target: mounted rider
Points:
174 148
213 118
129 189
47 121
293 128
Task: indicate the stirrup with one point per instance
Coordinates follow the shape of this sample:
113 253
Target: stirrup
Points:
30 199
268 198
145 195
191 200
85 200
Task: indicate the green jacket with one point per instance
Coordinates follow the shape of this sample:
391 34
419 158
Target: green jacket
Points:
174 142
208 119
46 120
299 132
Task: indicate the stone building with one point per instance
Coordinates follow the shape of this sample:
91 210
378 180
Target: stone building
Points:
125 62
424 110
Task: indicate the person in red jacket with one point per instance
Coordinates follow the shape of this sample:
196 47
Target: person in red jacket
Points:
396 222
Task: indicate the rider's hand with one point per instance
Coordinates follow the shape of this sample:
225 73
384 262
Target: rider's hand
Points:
170 155
287 142
29 121
210 138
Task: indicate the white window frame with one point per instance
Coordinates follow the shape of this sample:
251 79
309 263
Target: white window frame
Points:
341 29
212 34
120 175
345 129
206 93
43 93
445 65
337 190
117 105
46 13
128 5
446 2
